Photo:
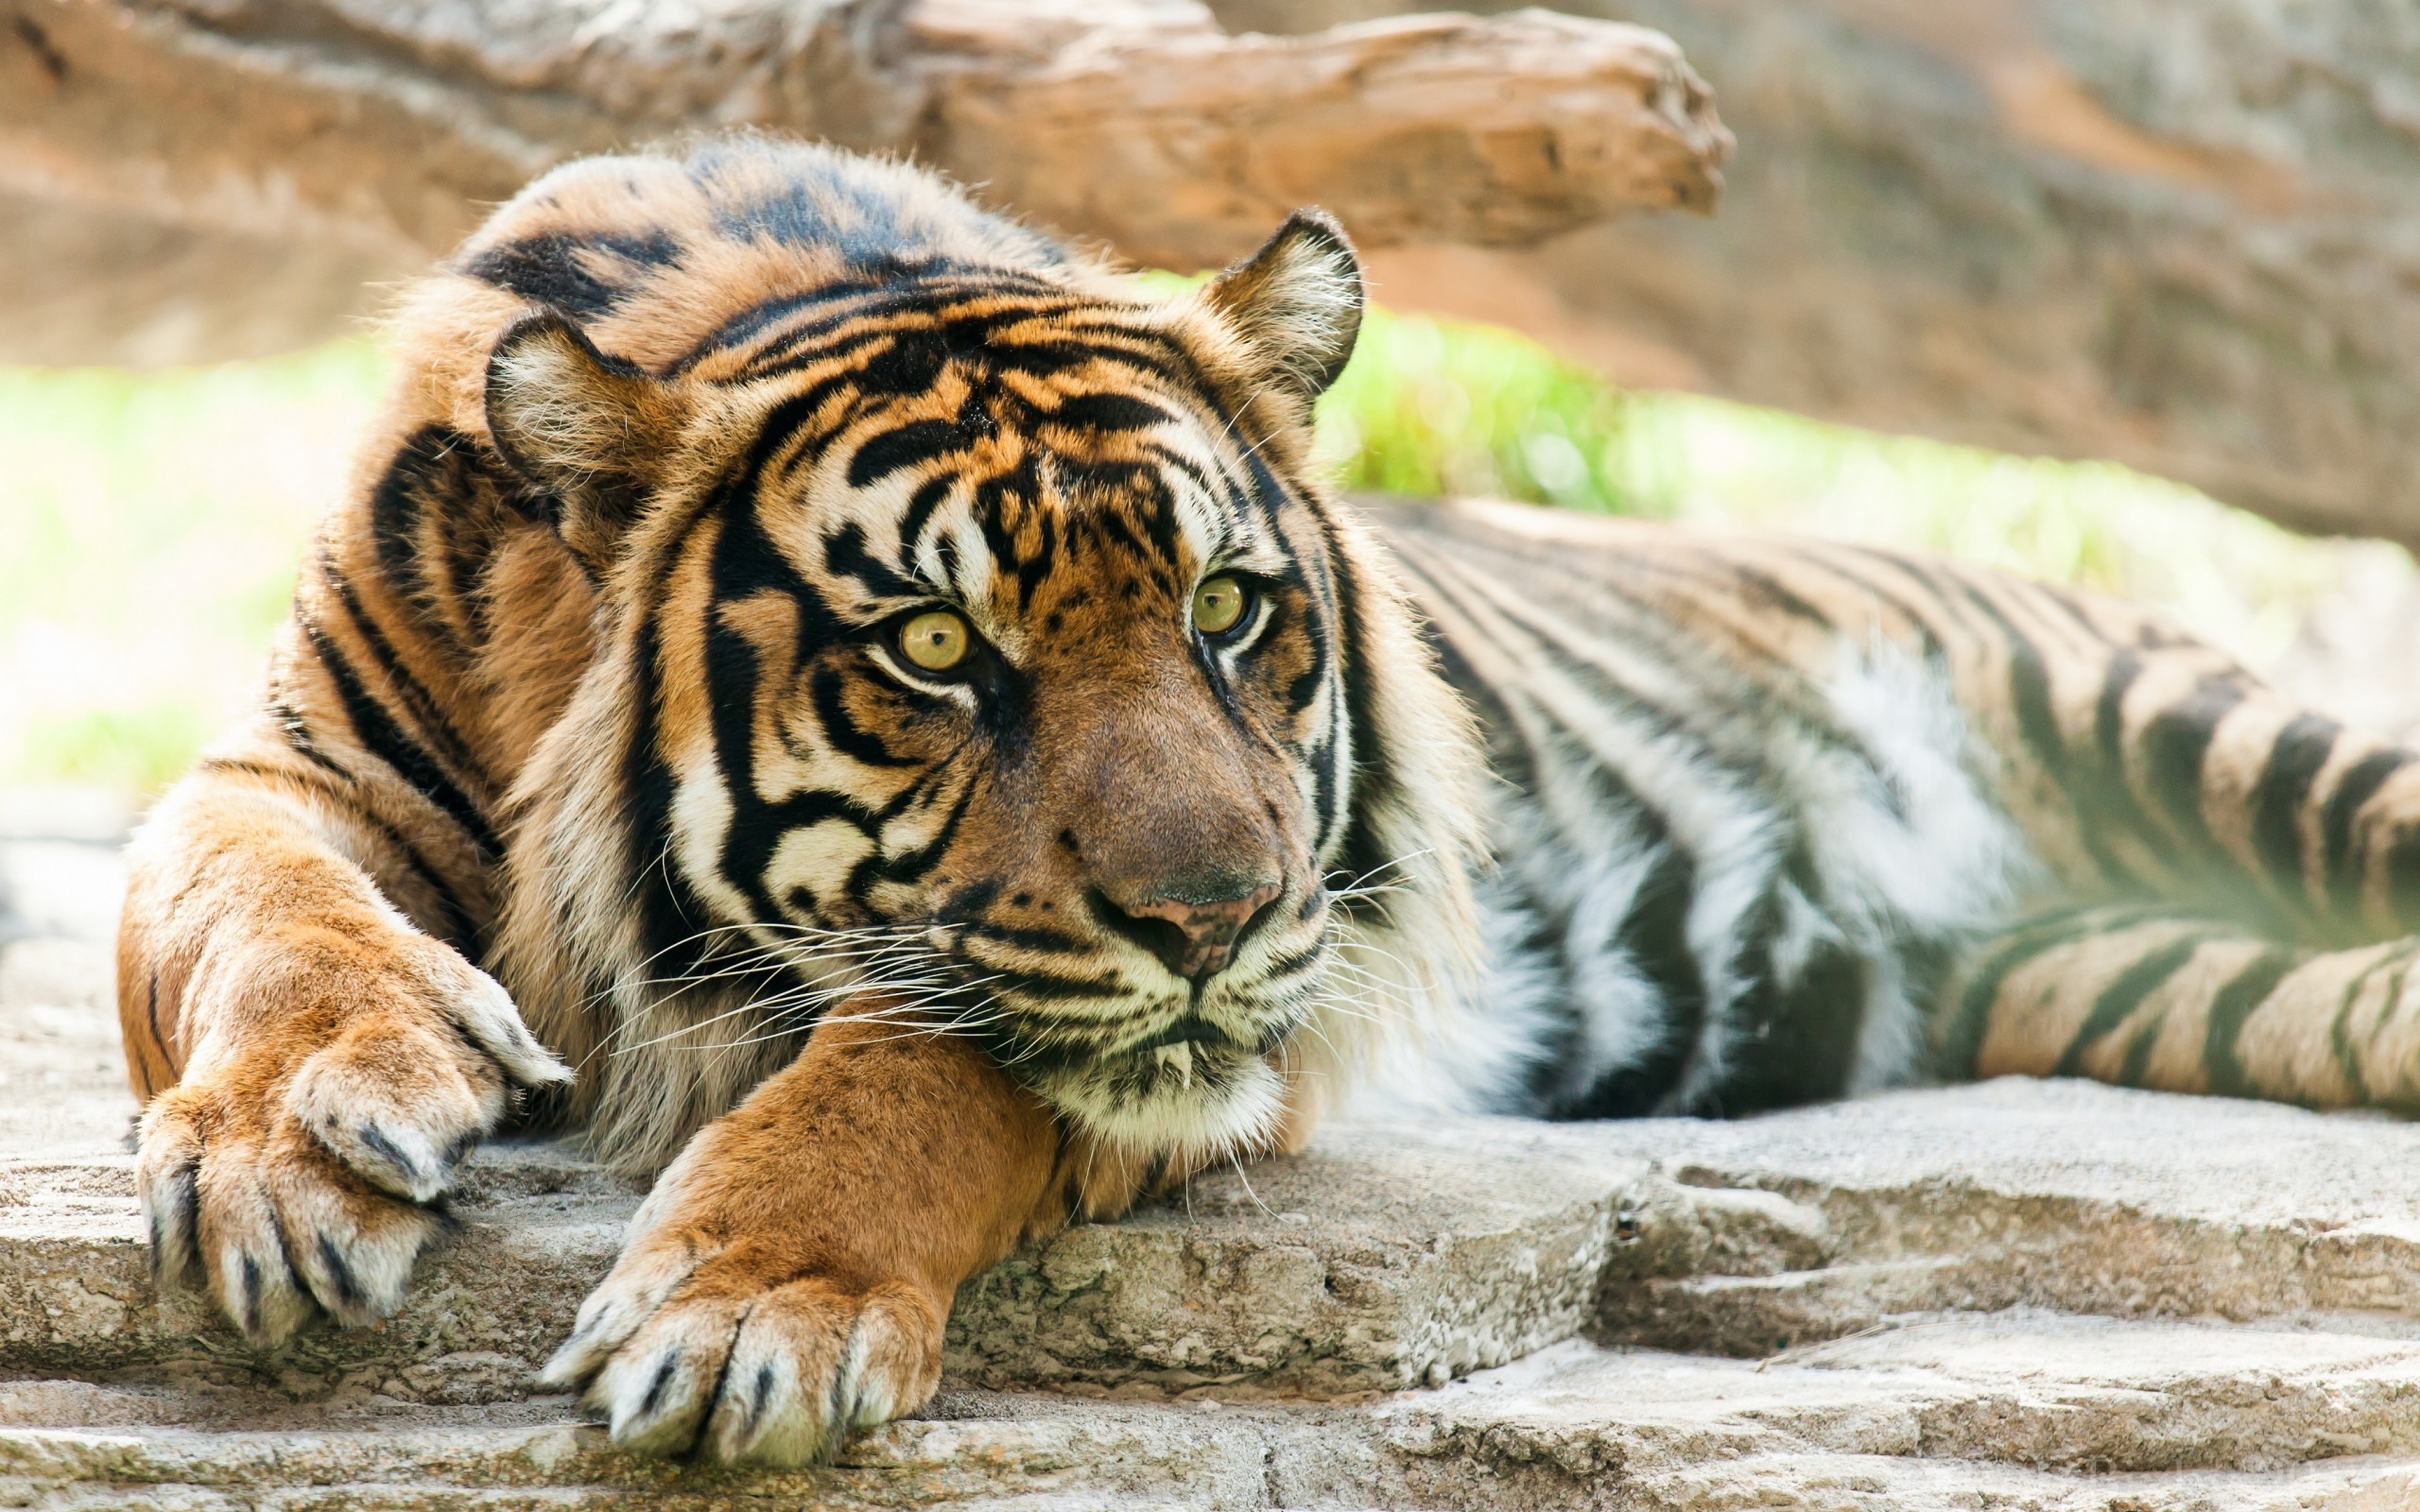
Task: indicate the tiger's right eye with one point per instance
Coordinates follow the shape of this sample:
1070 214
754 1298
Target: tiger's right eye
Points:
1218 605
936 640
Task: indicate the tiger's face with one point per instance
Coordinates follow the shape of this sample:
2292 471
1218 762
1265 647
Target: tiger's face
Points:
991 657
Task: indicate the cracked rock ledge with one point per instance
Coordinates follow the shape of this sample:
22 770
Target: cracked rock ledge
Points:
2020 1295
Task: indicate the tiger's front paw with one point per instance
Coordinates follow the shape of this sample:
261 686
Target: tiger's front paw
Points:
296 1166
747 1355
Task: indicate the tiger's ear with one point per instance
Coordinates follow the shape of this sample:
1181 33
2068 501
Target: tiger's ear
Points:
592 431
1296 303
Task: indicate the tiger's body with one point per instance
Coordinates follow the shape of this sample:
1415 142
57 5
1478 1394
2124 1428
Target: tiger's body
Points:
1785 819
899 722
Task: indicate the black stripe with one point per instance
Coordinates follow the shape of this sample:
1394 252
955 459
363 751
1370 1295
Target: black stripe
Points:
659 1382
457 929
2121 997
859 297
2358 784
909 867
930 496
2109 712
151 1012
1108 413
2340 1037
965 319
1770 591
1961 1043
1929 635
379 735
1792 1038
1293 962
905 446
2029 688
249 1290
2295 760
671 917
297 731
2176 747
2234 1004
1619 611
557 267
395 503
2138 1052
826 689
845 555
348 1286
1656 936
1369 782
238 766
431 725
1749 769
2105 800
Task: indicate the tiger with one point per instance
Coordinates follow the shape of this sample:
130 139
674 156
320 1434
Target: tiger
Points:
876 719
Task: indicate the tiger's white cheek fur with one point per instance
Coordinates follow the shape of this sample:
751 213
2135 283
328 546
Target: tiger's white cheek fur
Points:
815 859
701 814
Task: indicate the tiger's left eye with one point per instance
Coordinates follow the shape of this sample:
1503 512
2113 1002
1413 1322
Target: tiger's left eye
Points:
1219 605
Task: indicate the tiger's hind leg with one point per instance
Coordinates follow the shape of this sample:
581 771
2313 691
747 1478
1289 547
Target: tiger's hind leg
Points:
2177 1003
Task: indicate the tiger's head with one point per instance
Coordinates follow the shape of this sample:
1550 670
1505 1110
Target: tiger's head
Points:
977 639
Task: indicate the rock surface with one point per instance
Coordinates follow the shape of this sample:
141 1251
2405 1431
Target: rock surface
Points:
2016 1295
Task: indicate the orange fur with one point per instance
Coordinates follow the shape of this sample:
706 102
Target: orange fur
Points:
789 1277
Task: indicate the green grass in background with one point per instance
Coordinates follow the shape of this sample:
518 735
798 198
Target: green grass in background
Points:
1430 408
149 525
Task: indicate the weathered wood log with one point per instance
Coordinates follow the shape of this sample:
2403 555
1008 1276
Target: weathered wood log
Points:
307 141
2185 236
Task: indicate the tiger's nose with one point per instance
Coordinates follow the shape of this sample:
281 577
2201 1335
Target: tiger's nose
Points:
1194 936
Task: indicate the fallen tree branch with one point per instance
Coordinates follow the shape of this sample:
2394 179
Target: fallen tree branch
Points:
1181 146
367 135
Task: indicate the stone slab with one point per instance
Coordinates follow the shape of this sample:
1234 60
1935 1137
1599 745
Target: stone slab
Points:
1392 1257
2058 1195
2017 1294
2003 1412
